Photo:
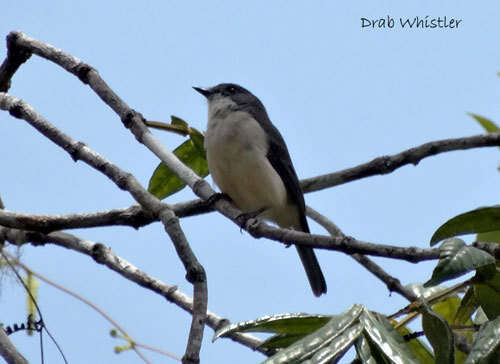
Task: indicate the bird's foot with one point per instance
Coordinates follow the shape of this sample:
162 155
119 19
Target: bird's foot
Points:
243 218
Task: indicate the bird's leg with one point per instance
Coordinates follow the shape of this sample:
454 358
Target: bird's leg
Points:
244 217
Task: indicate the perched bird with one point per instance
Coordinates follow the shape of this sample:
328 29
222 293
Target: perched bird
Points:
249 161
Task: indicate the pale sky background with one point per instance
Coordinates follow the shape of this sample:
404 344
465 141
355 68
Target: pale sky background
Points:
339 94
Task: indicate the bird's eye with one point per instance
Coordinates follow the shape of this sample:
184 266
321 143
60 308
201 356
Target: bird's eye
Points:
232 90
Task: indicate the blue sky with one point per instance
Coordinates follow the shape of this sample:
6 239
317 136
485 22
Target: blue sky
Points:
340 95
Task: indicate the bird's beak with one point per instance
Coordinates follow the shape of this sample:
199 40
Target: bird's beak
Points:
205 92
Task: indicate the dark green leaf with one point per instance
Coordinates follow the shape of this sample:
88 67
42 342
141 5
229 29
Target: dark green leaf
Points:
468 305
388 340
487 294
369 353
439 335
481 220
337 347
288 323
486 348
313 343
447 309
487 124
164 182
456 259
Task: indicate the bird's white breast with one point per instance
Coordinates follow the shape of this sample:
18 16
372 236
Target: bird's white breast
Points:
237 149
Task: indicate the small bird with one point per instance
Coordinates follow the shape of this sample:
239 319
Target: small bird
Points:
249 161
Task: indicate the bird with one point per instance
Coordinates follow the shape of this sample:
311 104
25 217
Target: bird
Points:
249 161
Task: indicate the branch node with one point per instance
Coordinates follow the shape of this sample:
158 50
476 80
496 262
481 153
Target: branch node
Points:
191 359
393 284
222 323
172 290
99 252
74 150
82 72
17 110
196 274
198 186
127 119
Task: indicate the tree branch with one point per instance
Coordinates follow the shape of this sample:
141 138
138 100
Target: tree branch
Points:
8 351
393 284
103 255
344 244
126 181
387 164
16 56
134 216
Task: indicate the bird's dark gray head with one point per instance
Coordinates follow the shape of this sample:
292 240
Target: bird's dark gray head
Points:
237 94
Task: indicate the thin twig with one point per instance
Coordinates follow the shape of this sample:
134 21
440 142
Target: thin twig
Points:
126 181
134 216
344 244
387 164
16 56
96 308
393 284
105 256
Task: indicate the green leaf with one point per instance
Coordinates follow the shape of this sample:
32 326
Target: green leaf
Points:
468 305
456 259
487 124
175 120
288 323
337 347
489 237
439 335
198 140
164 182
424 292
315 342
447 309
486 348
369 353
481 220
388 340
417 347
280 341
487 294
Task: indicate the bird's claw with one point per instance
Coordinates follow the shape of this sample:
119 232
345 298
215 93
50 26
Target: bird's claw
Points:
243 218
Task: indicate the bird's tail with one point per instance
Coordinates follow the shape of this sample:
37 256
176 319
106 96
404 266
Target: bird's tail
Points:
313 270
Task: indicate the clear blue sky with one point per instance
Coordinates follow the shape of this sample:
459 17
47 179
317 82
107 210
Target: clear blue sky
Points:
341 95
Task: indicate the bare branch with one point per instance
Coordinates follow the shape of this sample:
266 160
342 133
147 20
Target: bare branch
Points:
8 351
344 244
126 181
16 56
134 216
103 255
393 284
387 164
